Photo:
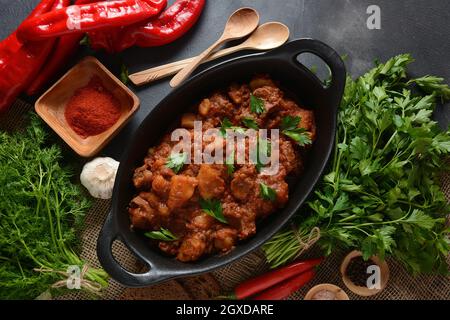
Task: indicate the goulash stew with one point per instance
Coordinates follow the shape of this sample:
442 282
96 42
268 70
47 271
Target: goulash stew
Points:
193 210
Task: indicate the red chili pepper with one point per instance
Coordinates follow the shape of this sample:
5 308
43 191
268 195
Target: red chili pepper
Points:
168 27
65 47
105 39
20 68
82 18
11 44
267 280
285 289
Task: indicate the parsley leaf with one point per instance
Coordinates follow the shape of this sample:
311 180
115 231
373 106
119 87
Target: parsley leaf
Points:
267 193
263 148
162 234
421 219
176 161
289 127
229 162
257 105
227 125
213 208
290 123
431 84
381 194
250 123
299 135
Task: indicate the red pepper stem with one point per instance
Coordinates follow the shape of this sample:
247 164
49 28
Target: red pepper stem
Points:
89 17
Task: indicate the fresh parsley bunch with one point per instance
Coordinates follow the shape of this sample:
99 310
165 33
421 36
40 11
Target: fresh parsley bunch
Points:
381 194
41 211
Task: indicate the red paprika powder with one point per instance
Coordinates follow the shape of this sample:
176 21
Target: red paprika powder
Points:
92 109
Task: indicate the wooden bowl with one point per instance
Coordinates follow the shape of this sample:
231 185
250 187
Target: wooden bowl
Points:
52 104
340 294
359 290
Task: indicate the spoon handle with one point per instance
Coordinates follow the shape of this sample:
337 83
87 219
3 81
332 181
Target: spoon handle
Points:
163 71
187 71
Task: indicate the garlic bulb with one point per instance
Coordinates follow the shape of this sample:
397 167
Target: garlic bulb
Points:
98 177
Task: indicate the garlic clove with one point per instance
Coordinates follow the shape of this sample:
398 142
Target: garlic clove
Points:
98 177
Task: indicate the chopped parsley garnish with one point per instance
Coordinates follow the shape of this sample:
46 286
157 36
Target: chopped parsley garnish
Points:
263 148
267 193
162 234
213 208
227 125
176 161
257 105
289 127
250 123
230 163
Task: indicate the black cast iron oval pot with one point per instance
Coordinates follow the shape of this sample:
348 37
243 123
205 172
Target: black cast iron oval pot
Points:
282 65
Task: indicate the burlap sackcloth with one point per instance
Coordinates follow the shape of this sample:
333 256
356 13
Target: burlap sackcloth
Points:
401 285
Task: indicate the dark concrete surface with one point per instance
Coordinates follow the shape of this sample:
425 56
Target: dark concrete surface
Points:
420 27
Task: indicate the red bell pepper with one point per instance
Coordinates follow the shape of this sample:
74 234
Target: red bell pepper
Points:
259 284
65 47
285 289
87 17
20 68
168 27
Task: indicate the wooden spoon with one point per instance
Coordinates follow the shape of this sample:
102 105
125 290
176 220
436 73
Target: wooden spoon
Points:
268 36
240 24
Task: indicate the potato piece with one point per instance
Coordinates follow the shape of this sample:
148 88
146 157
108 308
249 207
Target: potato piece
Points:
210 184
181 190
224 239
204 107
187 121
160 186
192 248
202 222
261 81
156 203
163 210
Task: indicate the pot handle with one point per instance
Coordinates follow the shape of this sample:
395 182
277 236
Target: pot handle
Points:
337 67
107 236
